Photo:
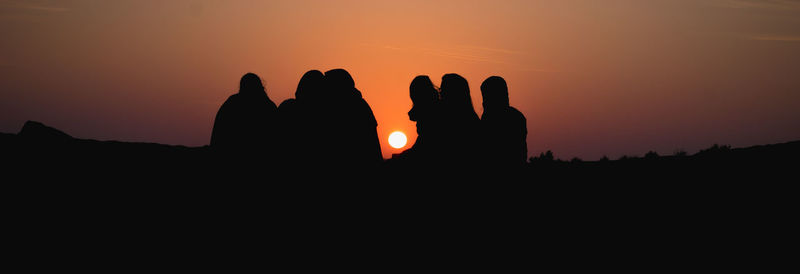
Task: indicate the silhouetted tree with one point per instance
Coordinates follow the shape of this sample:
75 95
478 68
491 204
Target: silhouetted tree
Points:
544 157
716 149
547 156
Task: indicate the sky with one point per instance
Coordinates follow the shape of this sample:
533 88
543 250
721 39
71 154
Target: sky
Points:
593 78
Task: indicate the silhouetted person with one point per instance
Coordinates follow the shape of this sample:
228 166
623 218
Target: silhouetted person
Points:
426 150
299 119
246 121
354 130
289 125
504 127
460 123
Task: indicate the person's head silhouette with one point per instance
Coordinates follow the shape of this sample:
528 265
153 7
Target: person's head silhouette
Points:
251 84
310 86
244 120
455 94
495 93
341 84
423 95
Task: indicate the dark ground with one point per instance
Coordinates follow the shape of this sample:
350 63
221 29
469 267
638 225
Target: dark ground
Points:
712 206
44 152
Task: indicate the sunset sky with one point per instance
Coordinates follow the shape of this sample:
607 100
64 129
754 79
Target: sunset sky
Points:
593 78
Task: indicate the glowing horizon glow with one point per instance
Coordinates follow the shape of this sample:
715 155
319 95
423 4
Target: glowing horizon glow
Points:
397 139
593 79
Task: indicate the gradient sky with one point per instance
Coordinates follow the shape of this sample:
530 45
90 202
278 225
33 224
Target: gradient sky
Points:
593 78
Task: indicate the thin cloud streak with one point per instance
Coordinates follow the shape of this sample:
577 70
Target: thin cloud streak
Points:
47 8
760 4
459 55
22 5
469 53
493 50
778 38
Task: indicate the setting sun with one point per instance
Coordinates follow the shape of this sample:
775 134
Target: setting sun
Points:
397 139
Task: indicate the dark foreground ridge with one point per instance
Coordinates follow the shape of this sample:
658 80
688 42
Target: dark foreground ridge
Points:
134 198
50 152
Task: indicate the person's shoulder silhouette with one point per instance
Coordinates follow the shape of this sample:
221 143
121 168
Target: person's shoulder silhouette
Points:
299 118
246 120
289 121
359 143
504 126
308 91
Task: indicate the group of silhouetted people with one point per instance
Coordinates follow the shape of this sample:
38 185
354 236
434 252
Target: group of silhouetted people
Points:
450 133
328 105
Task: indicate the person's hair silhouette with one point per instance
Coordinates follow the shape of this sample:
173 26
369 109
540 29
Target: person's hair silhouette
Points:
355 134
456 97
299 119
424 97
311 86
251 84
504 127
425 111
460 125
245 121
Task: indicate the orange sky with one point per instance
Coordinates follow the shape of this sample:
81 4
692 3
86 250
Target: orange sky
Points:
593 78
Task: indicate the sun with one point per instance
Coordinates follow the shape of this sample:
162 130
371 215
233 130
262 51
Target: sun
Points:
397 139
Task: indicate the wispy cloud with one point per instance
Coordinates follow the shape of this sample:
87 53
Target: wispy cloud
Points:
460 55
474 53
46 8
511 58
760 4
469 53
392 47
493 50
778 38
462 52
34 7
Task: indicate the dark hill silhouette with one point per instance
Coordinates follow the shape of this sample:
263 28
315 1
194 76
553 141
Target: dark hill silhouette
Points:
69 192
36 131
44 151
40 147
